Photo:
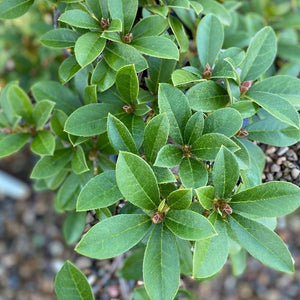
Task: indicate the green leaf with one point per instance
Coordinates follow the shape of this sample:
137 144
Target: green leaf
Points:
79 164
127 84
180 34
12 143
103 76
209 38
150 26
246 108
54 91
208 145
68 69
90 119
180 199
289 51
260 54
161 264
57 124
114 236
277 106
227 121
88 47
216 8
179 3
99 8
182 77
118 55
185 256
142 109
11 9
48 166
157 46
79 18
262 243
169 156
163 175
70 278
140 293
242 155
194 128
119 136
90 94
41 113
286 87
174 103
271 199
20 102
59 38
206 195
210 255
125 11
189 225
238 262
73 227
207 96
137 181
272 131
225 173
156 135
43 143
192 173
100 191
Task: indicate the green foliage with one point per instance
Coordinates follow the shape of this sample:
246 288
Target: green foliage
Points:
153 130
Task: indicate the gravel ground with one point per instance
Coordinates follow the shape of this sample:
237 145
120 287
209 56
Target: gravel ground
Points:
32 249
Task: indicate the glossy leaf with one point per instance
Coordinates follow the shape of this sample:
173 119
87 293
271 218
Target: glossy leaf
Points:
262 243
99 8
206 195
242 155
163 175
182 77
41 112
180 34
73 227
68 69
11 9
169 156
216 8
70 278
114 236
137 181
43 143
12 143
103 76
79 164
180 199
59 38
161 264
194 128
57 124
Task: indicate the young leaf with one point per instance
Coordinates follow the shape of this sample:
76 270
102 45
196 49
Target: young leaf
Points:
41 113
90 119
180 199
210 36
180 34
260 54
118 55
161 264
43 143
189 225
208 145
271 199
70 278
174 103
183 76
88 47
73 227
210 255
194 128
114 236
11 9
48 166
125 11
192 173
163 175
103 76
59 38
79 18
168 156
57 124
12 143
127 84
206 195
262 243
207 96
157 46
79 164
225 173
137 181
99 8
227 121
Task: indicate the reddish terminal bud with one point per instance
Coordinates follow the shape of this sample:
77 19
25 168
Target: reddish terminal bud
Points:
241 133
128 108
6 130
127 38
207 71
227 210
104 23
158 217
245 86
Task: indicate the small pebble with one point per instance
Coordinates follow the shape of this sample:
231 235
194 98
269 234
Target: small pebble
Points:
280 160
83 262
56 248
271 150
282 150
275 168
270 177
295 173
292 156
